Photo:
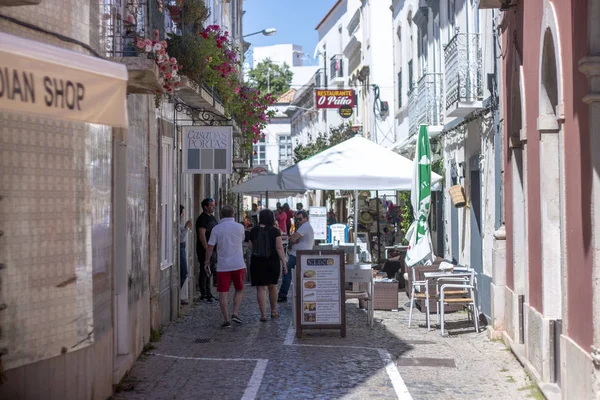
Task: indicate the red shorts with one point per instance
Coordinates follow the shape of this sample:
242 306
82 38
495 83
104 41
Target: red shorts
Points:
224 280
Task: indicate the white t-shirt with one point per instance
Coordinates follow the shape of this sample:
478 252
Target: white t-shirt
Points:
306 241
228 236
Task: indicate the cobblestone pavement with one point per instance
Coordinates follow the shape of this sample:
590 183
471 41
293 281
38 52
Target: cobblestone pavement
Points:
196 359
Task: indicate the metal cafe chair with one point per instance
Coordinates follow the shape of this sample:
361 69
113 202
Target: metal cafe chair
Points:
460 286
362 275
419 290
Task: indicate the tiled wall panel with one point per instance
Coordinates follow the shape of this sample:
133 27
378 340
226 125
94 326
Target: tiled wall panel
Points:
55 182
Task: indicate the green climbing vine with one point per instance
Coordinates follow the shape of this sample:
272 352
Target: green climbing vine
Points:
406 214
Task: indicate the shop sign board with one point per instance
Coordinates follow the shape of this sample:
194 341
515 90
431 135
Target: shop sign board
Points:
338 233
318 221
345 112
319 292
44 80
207 149
325 98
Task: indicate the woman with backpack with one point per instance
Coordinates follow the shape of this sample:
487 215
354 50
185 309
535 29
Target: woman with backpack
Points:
267 257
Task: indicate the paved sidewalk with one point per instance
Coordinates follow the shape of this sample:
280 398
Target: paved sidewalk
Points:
196 359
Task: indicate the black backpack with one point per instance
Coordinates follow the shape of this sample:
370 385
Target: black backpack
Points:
262 246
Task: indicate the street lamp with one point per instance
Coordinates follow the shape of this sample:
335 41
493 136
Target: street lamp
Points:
266 32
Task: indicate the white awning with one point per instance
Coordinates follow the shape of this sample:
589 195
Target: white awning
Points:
41 79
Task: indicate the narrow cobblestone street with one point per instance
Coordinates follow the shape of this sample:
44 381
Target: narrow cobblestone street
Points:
196 359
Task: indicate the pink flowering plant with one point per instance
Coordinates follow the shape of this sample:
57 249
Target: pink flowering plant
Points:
211 59
250 109
168 67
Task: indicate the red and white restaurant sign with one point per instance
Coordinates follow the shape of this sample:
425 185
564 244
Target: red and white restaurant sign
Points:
334 98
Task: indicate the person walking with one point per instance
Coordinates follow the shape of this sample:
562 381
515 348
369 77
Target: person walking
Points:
267 257
228 236
184 228
302 239
289 215
281 218
205 223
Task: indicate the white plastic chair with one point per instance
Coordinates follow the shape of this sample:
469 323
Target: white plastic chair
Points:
469 286
362 275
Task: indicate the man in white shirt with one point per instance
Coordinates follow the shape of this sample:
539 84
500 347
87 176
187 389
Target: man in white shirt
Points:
228 235
302 239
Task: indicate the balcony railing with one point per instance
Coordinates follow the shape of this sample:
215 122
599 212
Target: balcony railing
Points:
317 78
336 67
463 71
425 102
121 22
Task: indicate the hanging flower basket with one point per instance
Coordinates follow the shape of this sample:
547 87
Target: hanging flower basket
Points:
457 194
175 13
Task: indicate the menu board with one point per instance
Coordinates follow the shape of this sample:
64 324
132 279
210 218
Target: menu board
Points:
318 221
319 292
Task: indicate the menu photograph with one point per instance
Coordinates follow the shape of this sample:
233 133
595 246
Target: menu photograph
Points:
320 285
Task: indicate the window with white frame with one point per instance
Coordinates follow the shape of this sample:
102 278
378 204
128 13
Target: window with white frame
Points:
166 197
451 10
285 150
260 153
423 52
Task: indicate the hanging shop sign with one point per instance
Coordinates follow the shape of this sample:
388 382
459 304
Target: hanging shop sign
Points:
345 112
319 291
45 80
207 149
334 98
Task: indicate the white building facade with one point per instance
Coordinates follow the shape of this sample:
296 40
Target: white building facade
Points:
290 54
446 77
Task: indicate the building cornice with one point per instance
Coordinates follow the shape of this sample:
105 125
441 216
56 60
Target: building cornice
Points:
590 66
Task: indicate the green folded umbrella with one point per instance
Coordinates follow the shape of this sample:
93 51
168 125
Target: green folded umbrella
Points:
420 250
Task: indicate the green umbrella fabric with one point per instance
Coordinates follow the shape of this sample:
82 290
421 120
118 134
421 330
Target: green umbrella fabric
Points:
420 249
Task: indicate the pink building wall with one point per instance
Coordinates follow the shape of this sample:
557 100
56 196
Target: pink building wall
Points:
522 34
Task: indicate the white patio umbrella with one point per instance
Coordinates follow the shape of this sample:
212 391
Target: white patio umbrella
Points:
265 184
355 164
420 249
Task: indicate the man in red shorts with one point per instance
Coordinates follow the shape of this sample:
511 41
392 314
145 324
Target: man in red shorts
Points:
228 235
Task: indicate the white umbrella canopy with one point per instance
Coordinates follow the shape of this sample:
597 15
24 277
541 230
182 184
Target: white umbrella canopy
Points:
356 163
261 184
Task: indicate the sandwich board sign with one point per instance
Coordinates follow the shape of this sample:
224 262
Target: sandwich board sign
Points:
320 296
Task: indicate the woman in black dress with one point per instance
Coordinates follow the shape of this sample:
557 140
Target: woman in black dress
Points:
264 271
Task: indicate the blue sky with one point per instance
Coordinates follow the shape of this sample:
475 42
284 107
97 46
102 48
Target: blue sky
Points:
295 21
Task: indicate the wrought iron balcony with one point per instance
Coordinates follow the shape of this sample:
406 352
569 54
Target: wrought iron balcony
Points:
425 102
464 90
336 71
121 23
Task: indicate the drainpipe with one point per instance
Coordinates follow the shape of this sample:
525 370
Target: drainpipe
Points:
498 154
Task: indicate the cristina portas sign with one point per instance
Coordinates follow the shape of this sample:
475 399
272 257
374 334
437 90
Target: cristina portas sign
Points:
334 98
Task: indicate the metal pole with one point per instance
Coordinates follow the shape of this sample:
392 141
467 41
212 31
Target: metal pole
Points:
355 224
267 200
378 231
